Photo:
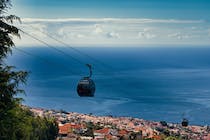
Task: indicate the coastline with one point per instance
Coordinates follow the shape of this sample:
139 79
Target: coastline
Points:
161 89
74 125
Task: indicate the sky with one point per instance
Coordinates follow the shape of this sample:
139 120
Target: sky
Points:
115 22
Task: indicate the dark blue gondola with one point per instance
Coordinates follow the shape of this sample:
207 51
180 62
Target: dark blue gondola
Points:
86 86
185 122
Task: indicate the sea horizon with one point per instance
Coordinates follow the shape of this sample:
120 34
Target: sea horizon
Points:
152 83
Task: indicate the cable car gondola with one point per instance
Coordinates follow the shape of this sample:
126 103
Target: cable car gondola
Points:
86 86
185 122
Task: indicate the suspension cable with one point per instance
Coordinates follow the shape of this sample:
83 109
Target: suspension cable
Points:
56 49
73 48
46 61
78 51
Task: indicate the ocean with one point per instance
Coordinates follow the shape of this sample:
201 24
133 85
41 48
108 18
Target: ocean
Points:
153 83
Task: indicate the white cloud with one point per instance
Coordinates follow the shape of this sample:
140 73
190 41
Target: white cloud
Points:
179 36
147 33
65 33
175 35
37 29
61 32
80 36
114 31
98 29
113 35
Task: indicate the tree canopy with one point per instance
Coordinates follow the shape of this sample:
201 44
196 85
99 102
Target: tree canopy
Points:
17 122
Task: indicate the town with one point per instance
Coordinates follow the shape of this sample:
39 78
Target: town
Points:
74 126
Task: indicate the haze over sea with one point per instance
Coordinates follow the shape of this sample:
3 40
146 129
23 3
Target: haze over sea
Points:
153 83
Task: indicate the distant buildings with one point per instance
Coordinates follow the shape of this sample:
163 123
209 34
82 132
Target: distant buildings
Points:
75 126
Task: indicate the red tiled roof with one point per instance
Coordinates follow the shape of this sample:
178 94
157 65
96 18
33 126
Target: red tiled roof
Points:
63 129
102 131
66 128
108 137
122 132
75 126
156 137
208 137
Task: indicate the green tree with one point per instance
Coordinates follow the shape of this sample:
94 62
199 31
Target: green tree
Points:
16 122
7 30
9 79
90 129
172 138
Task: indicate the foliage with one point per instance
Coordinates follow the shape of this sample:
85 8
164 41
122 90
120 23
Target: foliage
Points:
172 138
20 124
135 136
9 81
90 129
98 126
6 29
16 122
163 123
